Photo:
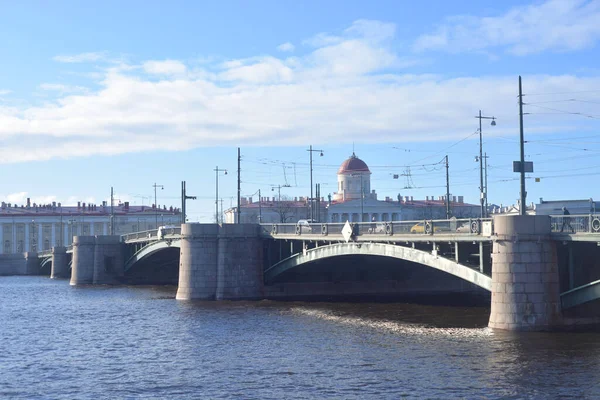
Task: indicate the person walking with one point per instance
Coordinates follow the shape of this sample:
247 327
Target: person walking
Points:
566 222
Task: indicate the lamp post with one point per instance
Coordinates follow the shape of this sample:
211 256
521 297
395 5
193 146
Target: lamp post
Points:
217 170
310 150
481 193
156 204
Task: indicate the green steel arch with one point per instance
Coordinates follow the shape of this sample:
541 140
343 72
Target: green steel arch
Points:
385 250
150 249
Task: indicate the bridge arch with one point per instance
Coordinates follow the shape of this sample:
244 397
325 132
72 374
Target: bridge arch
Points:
151 249
385 250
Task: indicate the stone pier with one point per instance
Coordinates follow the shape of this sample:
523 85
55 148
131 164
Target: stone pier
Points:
82 268
60 263
108 260
97 260
525 279
32 263
220 262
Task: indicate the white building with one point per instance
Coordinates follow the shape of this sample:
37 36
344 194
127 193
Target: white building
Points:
35 227
355 201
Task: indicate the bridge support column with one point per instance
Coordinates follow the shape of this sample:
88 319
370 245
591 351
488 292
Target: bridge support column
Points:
240 262
82 268
32 263
525 280
198 262
60 263
108 260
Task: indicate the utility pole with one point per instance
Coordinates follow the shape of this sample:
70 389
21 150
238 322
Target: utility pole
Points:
523 206
310 150
318 202
156 204
221 214
447 190
481 192
486 185
184 197
112 212
239 181
259 207
217 170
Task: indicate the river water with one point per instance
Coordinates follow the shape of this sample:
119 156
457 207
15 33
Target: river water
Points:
61 342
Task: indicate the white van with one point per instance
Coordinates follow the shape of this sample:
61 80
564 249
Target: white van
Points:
304 225
165 230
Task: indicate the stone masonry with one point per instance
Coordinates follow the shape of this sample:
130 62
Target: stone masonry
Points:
220 262
525 280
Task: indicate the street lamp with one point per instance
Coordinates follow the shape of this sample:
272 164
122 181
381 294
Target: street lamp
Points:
481 193
310 150
156 204
217 170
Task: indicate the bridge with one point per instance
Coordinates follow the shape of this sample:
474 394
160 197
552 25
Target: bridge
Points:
517 262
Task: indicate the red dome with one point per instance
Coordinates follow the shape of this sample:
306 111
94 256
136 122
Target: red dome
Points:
353 164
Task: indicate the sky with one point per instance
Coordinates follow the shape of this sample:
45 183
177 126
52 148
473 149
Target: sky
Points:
95 95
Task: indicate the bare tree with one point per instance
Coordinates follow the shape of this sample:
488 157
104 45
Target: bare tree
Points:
285 208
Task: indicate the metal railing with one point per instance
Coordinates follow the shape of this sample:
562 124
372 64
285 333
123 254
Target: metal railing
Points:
151 235
473 226
579 223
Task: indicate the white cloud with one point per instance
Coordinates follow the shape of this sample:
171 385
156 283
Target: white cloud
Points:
555 25
80 58
287 46
166 67
58 87
4 92
351 91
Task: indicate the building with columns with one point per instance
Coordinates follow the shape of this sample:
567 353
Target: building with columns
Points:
354 200
37 227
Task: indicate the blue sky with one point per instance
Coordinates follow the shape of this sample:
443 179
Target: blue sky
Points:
126 94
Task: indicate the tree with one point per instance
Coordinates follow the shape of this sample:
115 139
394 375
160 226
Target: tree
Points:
285 208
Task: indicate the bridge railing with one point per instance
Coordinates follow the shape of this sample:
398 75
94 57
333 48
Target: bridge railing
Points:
578 223
151 234
473 226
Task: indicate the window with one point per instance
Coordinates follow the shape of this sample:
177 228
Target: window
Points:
7 249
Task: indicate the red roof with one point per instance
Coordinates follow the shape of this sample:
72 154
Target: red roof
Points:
353 164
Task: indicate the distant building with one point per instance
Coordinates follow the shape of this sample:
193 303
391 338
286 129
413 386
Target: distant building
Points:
353 201
554 207
35 227
355 197
270 210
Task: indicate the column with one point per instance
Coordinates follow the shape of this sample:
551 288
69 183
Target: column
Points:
26 245
65 235
60 263
108 260
92 233
240 262
82 268
53 236
105 228
525 280
14 238
40 242
198 262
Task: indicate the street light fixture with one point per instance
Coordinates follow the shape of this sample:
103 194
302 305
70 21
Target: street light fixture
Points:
156 204
311 150
217 170
481 192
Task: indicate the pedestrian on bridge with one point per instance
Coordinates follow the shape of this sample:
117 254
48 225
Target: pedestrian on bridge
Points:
566 222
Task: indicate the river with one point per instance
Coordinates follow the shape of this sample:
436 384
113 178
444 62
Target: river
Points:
62 342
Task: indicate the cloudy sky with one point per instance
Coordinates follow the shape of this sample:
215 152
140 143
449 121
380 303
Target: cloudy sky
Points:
128 94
